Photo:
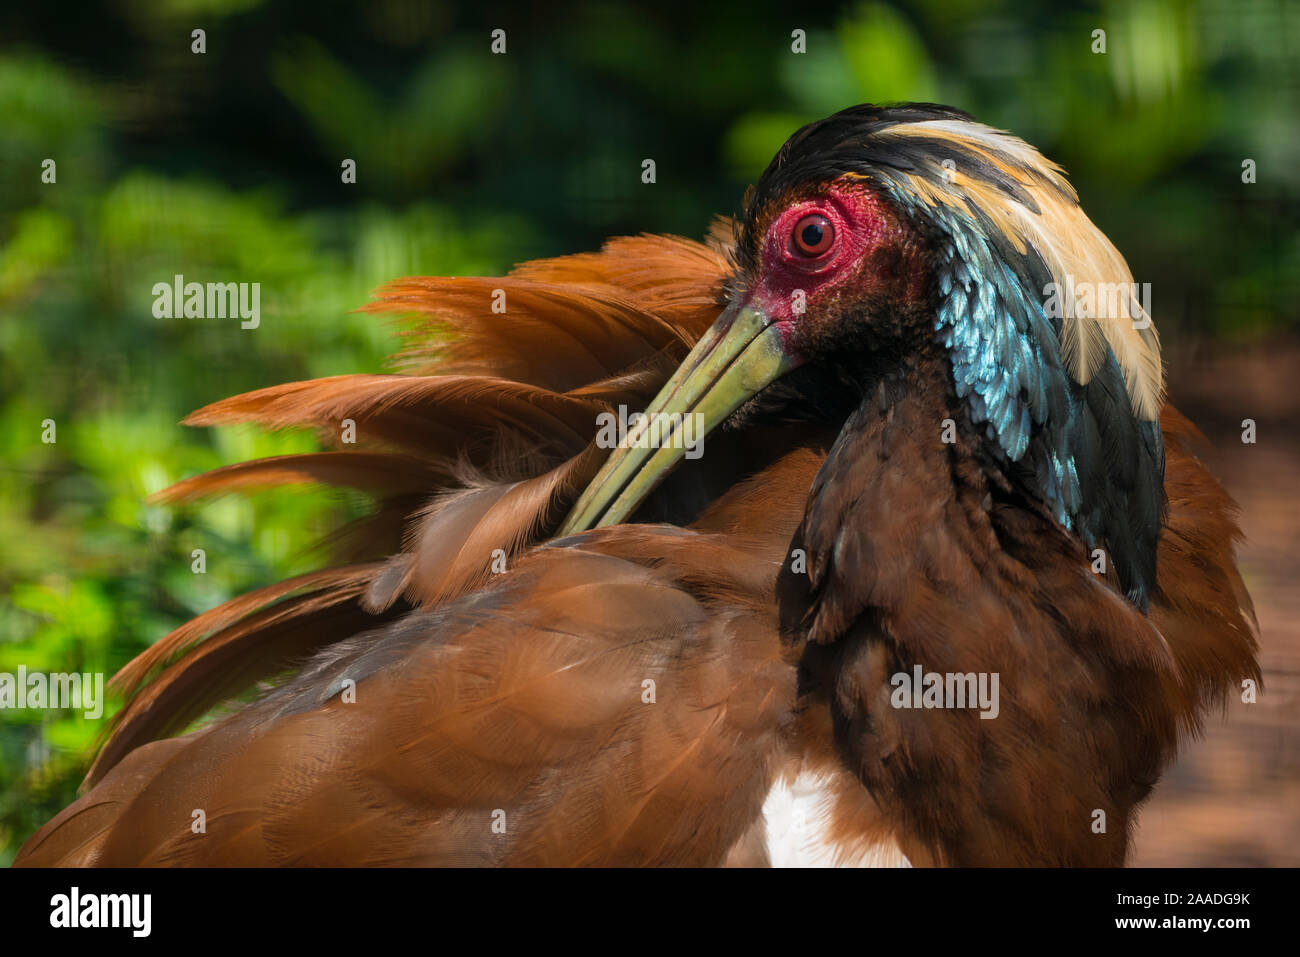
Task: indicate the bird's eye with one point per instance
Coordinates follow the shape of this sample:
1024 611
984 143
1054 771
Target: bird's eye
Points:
812 235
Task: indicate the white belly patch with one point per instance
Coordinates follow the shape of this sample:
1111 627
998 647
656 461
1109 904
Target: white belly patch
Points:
797 817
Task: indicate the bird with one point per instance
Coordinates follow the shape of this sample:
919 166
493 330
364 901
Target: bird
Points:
878 453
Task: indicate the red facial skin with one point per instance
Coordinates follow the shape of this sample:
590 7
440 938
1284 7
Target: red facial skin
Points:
871 256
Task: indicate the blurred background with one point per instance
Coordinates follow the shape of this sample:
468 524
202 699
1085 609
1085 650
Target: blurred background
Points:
226 166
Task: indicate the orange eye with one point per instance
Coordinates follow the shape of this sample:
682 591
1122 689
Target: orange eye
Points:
813 235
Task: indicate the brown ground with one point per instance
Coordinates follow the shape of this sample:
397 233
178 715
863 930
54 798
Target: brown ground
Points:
1234 797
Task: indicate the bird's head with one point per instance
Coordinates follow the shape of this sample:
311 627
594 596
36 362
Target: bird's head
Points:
882 236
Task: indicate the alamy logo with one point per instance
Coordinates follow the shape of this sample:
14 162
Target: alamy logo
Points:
75 909
949 690
1128 301
59 691
656 431
213 300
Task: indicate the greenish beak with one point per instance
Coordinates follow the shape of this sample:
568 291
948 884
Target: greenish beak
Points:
736 359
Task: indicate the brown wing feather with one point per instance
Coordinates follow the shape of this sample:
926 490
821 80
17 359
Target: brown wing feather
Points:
454 543
1201 605
634 309
417 412
387 472
166 650
244 646
525 705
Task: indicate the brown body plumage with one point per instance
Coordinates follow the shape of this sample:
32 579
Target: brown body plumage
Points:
632 694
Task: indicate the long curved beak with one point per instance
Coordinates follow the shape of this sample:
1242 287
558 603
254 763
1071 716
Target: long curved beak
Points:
740 355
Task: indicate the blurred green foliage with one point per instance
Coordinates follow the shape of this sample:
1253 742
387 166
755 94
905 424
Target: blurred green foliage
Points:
225 166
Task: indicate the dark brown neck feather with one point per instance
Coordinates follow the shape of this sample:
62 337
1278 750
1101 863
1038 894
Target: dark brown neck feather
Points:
919 553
